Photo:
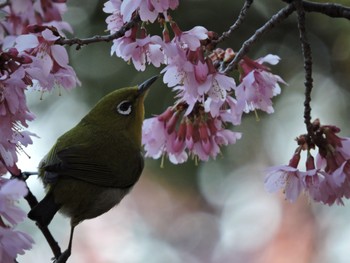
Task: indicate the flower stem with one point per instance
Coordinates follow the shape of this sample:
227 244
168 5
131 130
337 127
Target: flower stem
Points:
307 56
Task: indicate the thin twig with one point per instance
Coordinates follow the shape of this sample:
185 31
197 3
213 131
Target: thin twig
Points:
329 9
105 38
32 201
6 3
307 56
56 250
237 23
274 20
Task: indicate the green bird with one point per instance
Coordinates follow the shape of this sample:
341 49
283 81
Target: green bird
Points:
95 164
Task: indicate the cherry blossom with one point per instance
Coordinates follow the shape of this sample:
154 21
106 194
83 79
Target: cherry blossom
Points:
286 177
10 192
325 180
12 242
179 136
50 67
258 85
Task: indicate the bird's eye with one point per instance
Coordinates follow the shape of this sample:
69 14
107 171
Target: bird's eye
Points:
125 107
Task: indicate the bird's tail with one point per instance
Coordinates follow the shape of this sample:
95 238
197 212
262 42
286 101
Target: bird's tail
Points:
45 210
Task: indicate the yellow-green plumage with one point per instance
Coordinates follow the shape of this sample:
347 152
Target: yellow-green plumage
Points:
92 166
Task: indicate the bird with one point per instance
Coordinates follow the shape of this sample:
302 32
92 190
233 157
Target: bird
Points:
94 165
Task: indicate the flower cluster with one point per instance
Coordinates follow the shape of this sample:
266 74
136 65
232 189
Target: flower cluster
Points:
12 242
208 100
28 57
326 179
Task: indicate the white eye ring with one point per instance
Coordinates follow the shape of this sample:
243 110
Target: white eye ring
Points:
125 107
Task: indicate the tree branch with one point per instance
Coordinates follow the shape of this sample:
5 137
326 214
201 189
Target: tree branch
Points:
306 50
2 5
106 38
274 20
32 201
237 23
329 9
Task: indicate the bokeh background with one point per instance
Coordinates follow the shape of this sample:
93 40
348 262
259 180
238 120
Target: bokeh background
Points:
218 211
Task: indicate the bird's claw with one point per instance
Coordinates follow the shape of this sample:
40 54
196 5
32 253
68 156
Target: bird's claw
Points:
63 257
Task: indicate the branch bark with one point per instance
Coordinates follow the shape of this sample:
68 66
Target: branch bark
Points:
98 38
274 20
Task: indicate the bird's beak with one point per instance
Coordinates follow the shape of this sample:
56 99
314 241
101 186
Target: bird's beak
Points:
142 88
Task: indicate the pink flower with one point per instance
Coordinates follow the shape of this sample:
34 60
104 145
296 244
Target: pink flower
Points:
115 20
50 67
216 87
153 137
21 13
179 71
174 134
258 85
141 51
327 181
13 114
286 177
316 182
11 190
189 39
147 9
12 243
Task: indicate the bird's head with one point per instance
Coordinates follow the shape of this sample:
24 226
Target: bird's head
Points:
121 110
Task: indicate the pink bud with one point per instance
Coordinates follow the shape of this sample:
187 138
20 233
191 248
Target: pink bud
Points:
25 60
143 33
331 163
189 135
211 126
331 137
36 28
178 144
295 159
181 133
229 55
177 31
310 162
249 65
171 124
13 52
211 68
204 137
166 36
166 115
201 72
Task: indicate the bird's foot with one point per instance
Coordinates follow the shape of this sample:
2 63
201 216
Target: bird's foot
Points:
63 257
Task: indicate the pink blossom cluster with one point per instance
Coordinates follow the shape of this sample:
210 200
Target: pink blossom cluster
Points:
326 179
12 242
29 57
208 100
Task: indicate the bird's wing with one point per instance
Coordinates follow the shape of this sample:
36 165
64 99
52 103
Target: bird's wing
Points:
80 162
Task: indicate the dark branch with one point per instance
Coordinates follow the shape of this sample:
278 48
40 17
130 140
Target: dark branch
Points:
306 50
237 23
329 9
2 5
274 20
32 201
106 38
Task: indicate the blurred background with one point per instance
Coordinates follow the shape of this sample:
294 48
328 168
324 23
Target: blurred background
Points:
218 211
